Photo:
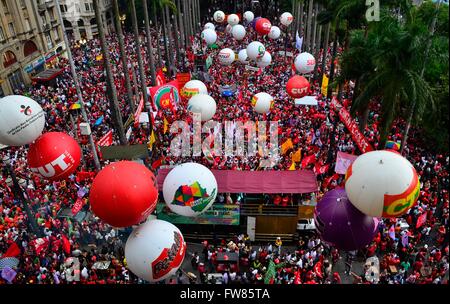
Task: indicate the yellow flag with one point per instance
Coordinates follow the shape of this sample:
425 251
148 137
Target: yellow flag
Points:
152 140
166 126
286 146
297 156
292 167
324 85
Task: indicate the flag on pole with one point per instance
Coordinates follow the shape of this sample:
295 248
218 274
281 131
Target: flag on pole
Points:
12 251
308 160
421 220
298 42
166 126
65 244
286 146
292 167
297 156
152 140
106 140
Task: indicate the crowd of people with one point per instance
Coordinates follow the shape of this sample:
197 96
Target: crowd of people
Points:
419 253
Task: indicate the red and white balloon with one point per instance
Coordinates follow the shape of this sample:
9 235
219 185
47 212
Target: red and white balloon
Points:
263 26
286 19
297 86
304 63
54 156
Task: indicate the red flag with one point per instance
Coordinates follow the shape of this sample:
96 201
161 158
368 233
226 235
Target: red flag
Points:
77 206
319 169
12 251
328 180
421 220
160 78
157 163
40 245
66 244
106 140
311 159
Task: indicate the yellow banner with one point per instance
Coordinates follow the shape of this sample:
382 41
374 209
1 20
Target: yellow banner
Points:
324 85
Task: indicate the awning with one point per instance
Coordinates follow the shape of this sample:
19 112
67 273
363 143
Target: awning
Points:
47 75
232 181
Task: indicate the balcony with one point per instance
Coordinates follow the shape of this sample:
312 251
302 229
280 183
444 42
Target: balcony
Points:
41 7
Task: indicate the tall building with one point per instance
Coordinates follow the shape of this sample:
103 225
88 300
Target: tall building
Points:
79 18
30 41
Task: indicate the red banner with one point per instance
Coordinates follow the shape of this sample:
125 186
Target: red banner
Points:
77 206
106 140
166 96
40 245
160 78
183 78
138 111
421 220
352 126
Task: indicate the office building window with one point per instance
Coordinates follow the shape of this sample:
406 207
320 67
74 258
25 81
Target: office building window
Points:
22 4
56 34
2 34
63 8
5 6
50 12
11 29
48 37
86 7
27 25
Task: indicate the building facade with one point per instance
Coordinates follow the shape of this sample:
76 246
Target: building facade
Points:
79 18
30 41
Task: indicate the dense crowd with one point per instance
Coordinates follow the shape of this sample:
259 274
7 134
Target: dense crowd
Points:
419 254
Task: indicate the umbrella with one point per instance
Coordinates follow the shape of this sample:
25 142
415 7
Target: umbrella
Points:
75 106
8 262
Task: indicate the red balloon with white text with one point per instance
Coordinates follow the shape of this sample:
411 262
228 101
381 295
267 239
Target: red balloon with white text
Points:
263 26
54 156
297 86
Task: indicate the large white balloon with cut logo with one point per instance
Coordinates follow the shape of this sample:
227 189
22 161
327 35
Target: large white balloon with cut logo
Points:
209 36
255 50
203 104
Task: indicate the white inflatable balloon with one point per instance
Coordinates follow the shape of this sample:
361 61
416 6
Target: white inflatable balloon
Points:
238 32
209 25
274 33
286 19
155 250
209 36
249 16
242 56
226 56
203 104
262 102
304 63
189 189
22 120
233 19
382 184
193 87
219 16
255 50
264 60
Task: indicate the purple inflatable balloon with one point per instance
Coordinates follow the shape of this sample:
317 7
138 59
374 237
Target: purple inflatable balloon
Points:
341 224
253 23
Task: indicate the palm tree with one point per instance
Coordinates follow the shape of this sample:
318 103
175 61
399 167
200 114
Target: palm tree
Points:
396 80
111 92
157 26
123 55
151 59
139 57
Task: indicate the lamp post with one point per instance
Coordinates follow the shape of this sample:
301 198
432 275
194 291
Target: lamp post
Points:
18 194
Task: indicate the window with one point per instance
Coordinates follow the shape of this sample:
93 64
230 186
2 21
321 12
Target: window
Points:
11 29
56 34
9 58
63 8
92 7
29 48
27 25
77 6
48 37
22 4
5 6
86 6
52 15
2 34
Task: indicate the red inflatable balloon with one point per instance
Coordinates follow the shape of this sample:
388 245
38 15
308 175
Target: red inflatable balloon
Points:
263 26
297 86
124 194
54 156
